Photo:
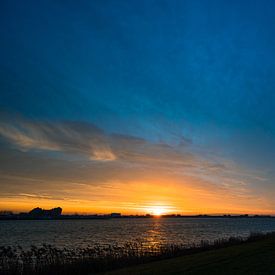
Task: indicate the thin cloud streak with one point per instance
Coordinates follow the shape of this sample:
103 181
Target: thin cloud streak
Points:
112 168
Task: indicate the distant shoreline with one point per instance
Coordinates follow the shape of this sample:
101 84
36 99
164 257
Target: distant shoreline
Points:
109 216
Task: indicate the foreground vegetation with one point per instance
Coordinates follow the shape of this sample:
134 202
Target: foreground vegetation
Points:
233 253
257 257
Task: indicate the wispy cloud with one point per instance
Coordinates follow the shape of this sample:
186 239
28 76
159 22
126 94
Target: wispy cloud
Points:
110 167
88 140
67 137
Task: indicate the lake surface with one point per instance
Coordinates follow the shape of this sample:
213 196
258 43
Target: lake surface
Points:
152 231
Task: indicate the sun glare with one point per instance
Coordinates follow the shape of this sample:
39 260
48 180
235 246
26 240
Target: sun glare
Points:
158 210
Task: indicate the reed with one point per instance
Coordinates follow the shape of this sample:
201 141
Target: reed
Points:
48 259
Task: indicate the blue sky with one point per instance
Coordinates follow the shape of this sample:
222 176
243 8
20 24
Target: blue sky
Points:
198 73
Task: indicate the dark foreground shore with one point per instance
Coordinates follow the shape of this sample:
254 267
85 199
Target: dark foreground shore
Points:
255 257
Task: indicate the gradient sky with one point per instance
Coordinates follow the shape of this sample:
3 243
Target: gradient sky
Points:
133 105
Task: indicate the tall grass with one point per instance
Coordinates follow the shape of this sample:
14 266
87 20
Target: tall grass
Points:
51 260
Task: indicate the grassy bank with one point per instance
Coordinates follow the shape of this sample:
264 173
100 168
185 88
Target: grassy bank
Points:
254 253
256 257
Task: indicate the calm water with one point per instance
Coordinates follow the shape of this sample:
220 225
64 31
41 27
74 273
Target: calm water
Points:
81 233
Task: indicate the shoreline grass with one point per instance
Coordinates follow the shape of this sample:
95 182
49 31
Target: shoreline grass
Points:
252 257
50 260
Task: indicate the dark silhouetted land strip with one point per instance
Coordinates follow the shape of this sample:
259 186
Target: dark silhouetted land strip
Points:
38 213
256 257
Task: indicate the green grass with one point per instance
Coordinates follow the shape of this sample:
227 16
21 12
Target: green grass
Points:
248 258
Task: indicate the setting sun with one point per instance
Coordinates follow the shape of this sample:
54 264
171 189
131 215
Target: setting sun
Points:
158 210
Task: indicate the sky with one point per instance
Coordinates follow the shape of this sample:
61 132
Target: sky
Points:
136 106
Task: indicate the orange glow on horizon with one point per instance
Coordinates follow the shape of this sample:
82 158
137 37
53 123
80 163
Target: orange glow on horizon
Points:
158 211
149 196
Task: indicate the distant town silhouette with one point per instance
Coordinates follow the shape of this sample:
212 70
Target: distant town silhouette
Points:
38 213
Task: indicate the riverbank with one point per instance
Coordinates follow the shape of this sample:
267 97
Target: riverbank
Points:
253 257
257 252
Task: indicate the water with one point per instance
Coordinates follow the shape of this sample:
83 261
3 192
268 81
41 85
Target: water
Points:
155 231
